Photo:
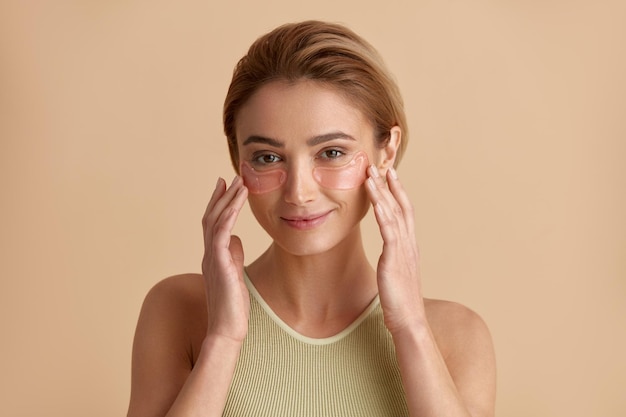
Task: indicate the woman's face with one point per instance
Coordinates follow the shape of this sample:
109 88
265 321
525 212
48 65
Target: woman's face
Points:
304 151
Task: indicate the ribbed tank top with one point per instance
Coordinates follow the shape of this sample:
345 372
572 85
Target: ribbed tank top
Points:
283 373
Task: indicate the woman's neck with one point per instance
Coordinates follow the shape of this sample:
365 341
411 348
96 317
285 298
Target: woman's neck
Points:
316 294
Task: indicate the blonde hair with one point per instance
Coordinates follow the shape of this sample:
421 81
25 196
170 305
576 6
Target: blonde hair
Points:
327 53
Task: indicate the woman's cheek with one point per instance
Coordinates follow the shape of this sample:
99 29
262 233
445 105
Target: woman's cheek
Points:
345 177
261 182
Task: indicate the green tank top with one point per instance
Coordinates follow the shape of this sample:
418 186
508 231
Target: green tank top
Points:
283 373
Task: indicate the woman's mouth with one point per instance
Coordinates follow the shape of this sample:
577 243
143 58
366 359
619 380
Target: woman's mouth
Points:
306 222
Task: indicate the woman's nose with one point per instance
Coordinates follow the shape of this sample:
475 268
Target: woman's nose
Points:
300 186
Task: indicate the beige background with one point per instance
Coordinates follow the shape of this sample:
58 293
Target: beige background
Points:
111 142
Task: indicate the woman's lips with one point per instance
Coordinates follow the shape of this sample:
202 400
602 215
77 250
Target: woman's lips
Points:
306 222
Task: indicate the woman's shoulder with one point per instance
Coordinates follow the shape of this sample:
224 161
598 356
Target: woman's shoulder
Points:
176 299
182 288
443 311
167 340
456 326
179 292
466 346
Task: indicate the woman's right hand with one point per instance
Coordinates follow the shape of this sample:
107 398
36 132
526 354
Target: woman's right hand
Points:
228 301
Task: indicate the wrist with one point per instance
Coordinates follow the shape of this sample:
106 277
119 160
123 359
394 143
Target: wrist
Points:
415 332
218 344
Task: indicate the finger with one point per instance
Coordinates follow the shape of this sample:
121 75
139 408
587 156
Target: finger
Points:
222 198
381 194
217 237
387 222
225 223
236 249
400 195
398 203
387 225
375 184
220 187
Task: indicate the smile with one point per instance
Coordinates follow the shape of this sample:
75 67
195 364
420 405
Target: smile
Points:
306 222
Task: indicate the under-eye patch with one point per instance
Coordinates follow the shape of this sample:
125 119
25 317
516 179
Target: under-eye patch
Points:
259 182
337 177
344 177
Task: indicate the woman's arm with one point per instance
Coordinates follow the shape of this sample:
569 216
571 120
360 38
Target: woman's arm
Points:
165 379
450 371
444 350
163 369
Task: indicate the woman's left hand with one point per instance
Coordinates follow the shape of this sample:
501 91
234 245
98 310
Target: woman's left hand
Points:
398 274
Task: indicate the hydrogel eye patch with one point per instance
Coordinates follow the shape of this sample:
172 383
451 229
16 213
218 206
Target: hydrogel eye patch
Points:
344 177
259 182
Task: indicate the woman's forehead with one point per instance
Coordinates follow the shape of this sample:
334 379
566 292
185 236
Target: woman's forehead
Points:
302 110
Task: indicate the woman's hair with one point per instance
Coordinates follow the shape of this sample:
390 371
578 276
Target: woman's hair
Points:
323 52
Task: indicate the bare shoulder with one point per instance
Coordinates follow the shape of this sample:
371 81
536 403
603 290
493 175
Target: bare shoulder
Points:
167 339
455 324
178 304
179 292
465 343
452 318
172 322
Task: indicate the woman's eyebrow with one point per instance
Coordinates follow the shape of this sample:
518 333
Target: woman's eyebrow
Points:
263 140
316 140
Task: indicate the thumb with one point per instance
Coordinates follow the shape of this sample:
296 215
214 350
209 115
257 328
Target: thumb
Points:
236 250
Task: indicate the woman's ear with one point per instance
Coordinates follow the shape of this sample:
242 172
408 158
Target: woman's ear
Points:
389 152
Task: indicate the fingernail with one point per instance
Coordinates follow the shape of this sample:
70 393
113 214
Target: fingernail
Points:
234 180
219 180
375 172
393 173
370 183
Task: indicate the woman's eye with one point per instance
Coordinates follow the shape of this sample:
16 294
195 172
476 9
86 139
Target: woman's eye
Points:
331 154
266 159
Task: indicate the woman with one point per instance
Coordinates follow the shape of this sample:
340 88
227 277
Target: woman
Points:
315 126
